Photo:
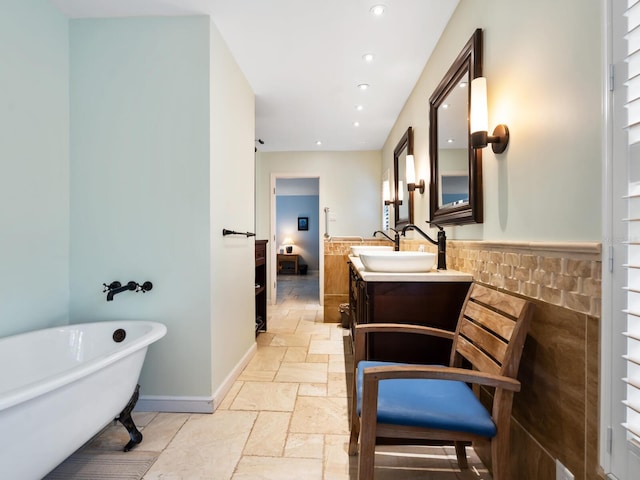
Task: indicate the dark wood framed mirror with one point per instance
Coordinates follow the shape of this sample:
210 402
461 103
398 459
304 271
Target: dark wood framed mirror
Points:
455 187
403 212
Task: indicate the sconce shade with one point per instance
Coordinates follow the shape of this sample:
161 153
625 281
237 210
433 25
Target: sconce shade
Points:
479 123
411 176
411 170
479 117
386 192
400 192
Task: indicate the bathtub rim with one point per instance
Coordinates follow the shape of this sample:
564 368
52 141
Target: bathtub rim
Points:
30 391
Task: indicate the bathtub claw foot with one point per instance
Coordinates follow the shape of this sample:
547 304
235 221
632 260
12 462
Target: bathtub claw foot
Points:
125 419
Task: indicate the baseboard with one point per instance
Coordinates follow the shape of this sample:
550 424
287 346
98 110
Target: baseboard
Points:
180 404
174 404
228 382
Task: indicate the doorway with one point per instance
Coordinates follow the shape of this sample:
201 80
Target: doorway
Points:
297 249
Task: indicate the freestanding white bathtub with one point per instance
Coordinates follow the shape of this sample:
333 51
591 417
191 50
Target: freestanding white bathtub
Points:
60 386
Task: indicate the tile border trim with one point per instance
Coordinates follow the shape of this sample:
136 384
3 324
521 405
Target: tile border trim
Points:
566 274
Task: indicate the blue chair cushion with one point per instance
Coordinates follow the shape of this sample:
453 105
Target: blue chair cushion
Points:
437 404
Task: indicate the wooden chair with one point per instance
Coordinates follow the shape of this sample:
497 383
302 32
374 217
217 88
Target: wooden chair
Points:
419 402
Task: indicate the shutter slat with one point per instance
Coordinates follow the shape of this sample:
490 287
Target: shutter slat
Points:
628 358
632 406
631 383
633 429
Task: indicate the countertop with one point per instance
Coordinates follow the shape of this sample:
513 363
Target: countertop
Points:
432 276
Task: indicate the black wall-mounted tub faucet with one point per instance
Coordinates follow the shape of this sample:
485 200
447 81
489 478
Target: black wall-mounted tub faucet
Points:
123 288
116 287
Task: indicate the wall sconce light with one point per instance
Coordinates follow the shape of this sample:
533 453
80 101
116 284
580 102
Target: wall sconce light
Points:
386 194
288 244
411 176
479 122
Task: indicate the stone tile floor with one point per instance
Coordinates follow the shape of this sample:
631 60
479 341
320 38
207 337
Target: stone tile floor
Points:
286 415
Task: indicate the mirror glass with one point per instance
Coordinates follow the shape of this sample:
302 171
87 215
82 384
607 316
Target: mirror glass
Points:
453 146
403 212
455 188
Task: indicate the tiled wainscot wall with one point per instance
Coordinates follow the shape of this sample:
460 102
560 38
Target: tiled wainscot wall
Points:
556 414
336 274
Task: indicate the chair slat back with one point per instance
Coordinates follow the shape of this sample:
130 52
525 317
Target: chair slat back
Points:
486 340
491 320
491 331
476 356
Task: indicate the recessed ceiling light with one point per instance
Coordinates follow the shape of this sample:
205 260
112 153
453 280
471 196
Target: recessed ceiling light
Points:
363 86
356 124
463 84
359 107
451 140
368 57
377 10
318 143
445 105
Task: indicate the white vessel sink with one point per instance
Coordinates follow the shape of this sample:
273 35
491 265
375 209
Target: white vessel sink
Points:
356 250
397 262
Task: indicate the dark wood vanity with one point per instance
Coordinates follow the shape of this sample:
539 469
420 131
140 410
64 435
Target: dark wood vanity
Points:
432 299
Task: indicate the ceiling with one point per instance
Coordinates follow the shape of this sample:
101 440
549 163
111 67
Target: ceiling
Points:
304 60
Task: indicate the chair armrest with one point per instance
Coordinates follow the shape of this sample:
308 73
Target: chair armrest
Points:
364 329
375 374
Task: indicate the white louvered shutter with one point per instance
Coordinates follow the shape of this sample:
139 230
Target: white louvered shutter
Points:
632 356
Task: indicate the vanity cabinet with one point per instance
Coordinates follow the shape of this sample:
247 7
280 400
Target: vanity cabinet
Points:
431 303
261 285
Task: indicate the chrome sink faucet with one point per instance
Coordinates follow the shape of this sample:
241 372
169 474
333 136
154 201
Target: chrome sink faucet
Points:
395 240
441 242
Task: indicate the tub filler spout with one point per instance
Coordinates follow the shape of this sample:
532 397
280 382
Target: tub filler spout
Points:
119 289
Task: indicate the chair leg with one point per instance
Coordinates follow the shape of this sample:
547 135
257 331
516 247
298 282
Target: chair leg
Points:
353 437
500 461
501 467
354 421
367 454
461 455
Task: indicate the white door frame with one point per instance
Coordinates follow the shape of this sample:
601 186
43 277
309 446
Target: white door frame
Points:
273 250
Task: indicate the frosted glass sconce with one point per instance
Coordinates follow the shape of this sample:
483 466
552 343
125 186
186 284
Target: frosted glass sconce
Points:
411 176
479 122
386 194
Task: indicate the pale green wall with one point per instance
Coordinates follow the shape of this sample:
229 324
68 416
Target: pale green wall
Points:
543 64
121 139
140 188
162 125
232 207
34 166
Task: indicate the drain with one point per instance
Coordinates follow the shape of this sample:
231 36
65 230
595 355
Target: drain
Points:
119 335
